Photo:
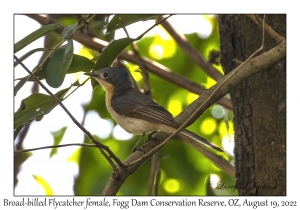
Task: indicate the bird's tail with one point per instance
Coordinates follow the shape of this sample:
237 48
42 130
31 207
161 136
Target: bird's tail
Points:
200 139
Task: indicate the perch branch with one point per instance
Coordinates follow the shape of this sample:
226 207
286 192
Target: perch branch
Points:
258 64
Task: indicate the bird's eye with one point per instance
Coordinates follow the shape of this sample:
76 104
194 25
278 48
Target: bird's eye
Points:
105 74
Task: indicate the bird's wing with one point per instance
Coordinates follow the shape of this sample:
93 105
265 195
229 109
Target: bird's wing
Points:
135 104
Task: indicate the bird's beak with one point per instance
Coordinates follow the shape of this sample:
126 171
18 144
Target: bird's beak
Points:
92 74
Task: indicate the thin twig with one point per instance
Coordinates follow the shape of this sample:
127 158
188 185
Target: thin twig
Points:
85 22
223 164
101 147
268 29
156 24
77 87
55 146
26 55
192 52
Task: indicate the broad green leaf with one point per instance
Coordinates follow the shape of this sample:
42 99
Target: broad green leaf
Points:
111 51
79 63
58 136
59 64
20 84
120 21
68 31
46 186
34 36
35 106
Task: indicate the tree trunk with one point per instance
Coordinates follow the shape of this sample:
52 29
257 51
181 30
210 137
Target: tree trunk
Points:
259 106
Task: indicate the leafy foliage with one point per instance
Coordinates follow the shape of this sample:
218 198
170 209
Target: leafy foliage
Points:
59 64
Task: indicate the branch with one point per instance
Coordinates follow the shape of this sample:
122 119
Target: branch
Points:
192 52
54 146
268 28
266 60
154 67
216 159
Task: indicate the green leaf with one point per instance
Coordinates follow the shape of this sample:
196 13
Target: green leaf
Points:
120 21
68 32
20 84
80 63
59 64
111 52
35 106
58 136
34 36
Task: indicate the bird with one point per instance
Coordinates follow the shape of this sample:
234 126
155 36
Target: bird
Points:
134 111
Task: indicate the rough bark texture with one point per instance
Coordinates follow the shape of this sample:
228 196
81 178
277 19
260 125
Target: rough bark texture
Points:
259 106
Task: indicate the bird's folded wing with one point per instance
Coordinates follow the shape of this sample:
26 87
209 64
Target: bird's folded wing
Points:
142 107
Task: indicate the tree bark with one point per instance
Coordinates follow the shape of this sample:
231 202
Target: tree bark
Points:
259 106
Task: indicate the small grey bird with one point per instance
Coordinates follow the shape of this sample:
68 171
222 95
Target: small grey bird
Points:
134 111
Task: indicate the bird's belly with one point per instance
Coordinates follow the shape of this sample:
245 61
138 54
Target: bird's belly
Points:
135 126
